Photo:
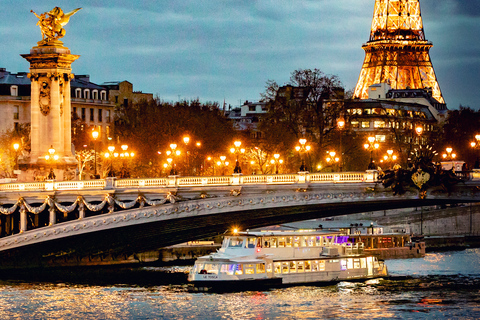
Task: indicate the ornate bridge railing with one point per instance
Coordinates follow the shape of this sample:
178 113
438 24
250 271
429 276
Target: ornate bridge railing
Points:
179 181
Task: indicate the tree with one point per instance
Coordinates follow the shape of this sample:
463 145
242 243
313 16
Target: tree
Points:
300 108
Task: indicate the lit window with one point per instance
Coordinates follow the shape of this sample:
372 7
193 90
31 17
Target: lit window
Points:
260 268
355 124
365 124
379 124
380 138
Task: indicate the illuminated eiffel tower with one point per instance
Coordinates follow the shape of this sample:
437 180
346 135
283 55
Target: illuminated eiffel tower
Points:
397 52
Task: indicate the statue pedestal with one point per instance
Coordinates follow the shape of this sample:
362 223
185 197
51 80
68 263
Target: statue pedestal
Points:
50 75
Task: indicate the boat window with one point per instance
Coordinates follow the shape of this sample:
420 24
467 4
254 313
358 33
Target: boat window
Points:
304 241
277 267
343 264
311 241
238 269
260 267
318 241
270 242
308 266
230 269
210 268
293 267
250 242
259 242
195 267
235 243
284 267
315 265
321 265
269 267
363 263
296 241
350 263
288 242
300 266
356 263
281 242
249 269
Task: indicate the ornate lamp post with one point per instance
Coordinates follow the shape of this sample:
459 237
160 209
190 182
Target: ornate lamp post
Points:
51 157
302 149
186 140
476 145
111 173
237 150
16 146
370 146
275 161
390 157
341 125
331 159
223 163
95 136
174 152
450 155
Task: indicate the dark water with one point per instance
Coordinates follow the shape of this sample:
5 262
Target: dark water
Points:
442 285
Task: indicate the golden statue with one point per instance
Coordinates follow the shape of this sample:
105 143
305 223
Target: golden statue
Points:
51 24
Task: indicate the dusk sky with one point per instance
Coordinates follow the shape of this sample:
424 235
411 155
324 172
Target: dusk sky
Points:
220 50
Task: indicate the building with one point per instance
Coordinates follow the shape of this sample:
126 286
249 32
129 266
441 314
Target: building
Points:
247 117
90 102
121 93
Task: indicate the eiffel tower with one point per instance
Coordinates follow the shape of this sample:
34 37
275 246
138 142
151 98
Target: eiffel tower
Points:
397 52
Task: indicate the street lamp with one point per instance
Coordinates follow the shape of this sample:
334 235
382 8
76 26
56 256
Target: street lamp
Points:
237 150
186 140
50 157
275 161
449 155
370 146
16 146
302 149
224 163
174 152
331 159
390 157
95 136
341 125
476 145
111 173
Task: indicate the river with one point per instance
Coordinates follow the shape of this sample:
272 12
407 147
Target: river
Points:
443 285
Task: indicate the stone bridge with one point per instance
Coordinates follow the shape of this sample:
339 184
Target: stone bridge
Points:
94 221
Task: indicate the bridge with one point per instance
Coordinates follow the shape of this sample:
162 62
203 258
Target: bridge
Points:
73 223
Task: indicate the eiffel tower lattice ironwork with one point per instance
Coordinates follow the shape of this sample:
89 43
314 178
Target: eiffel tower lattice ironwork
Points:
397 52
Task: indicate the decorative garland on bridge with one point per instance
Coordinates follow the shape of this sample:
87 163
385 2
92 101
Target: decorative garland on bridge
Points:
82 204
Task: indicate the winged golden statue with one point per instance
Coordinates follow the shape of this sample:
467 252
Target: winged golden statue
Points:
52 22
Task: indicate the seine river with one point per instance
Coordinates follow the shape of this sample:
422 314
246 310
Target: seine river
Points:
443 285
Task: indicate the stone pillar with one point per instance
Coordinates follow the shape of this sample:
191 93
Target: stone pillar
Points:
50 75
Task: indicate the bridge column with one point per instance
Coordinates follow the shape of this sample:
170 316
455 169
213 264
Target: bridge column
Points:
52 216
23 218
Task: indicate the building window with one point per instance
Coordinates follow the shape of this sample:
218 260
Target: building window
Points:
99 130
107 131
355 124
15 112
16 126
103 95
251 108
107 116
365 124
83 114
86 94
95 94
379 124
380 138
92 115
100 118
78 93
74 110
14 91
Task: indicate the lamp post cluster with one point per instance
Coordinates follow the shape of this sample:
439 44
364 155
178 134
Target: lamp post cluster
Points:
449 155
122 155
276 161
390 157
332 159
51 156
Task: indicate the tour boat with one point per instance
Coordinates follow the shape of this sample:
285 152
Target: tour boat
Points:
284 258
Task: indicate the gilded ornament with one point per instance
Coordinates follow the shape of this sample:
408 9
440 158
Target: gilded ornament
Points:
51 24
44 97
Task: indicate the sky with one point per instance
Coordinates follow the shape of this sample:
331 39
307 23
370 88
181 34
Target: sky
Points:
226 50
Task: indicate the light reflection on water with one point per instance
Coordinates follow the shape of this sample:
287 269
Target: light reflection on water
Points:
442 285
